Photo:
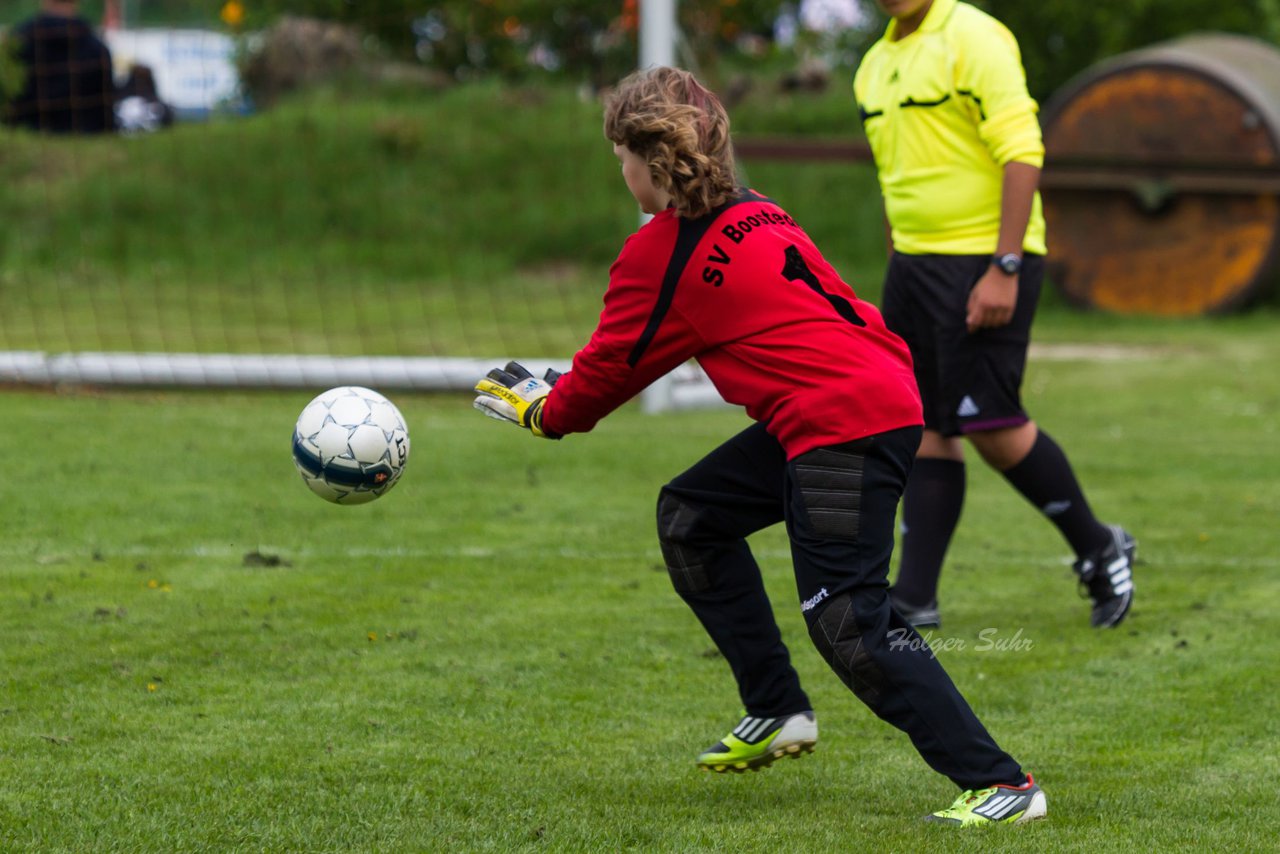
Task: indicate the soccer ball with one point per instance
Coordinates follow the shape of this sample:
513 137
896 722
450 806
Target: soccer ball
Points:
350 445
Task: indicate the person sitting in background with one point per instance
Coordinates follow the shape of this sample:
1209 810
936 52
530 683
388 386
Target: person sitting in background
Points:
68 87
138 105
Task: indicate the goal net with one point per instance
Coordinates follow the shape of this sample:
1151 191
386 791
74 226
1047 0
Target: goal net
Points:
384 228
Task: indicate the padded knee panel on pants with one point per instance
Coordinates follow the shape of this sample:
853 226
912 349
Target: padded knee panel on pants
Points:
830 483
686 564
835 634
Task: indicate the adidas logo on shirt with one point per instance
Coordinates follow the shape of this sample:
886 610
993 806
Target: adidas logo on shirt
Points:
967 407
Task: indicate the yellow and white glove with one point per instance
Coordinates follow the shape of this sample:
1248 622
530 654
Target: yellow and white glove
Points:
513 394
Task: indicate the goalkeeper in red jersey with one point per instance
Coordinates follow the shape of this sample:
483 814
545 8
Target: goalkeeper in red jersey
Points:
725 276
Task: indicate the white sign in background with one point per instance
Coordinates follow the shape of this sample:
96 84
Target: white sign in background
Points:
195 70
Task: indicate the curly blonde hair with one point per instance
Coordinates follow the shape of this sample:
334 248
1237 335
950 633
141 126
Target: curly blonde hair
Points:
681 130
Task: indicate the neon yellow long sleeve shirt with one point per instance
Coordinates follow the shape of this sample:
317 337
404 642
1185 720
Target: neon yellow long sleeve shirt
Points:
944 110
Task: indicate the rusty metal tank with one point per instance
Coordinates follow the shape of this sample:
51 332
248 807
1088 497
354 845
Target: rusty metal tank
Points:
1162 178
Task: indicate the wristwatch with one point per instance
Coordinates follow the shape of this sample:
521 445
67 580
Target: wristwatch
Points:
1009 264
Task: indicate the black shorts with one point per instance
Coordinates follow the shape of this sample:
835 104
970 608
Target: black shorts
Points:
969 382
839 504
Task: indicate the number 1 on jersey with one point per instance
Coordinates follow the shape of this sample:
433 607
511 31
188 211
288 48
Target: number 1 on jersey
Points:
796 270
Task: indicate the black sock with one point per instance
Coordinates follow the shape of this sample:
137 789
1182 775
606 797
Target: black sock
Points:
1044 477
930 511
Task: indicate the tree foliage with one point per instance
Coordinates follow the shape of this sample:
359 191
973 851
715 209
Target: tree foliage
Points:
595 40
1062 38
12 74
467 38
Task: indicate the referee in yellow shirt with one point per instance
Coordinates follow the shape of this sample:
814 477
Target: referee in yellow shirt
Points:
944 103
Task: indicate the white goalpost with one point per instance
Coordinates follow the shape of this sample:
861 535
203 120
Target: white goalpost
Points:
686 387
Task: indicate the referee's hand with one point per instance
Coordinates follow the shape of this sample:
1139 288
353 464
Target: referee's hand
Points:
992 300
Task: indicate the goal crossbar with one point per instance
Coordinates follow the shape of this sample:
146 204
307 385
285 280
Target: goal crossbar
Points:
687 387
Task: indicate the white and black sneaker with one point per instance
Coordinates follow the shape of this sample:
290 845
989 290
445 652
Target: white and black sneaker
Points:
1107 574
919 616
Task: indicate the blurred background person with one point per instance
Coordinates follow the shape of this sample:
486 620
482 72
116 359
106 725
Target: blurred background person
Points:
139 108
68 84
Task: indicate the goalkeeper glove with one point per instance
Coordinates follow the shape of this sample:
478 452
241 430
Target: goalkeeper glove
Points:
513 394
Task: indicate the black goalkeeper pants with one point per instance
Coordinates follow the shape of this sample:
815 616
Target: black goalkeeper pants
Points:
839 505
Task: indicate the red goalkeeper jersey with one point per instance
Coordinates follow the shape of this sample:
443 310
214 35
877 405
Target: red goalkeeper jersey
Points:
745 292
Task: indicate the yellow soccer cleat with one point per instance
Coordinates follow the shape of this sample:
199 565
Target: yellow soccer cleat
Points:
756 742
995 805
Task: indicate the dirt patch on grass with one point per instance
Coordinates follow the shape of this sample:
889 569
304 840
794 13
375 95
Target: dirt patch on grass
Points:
1096 352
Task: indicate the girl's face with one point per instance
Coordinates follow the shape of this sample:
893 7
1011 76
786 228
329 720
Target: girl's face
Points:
636 173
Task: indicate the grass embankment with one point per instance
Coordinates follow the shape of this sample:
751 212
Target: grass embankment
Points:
407 223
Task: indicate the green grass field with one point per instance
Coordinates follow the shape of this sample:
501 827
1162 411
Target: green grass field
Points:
200 655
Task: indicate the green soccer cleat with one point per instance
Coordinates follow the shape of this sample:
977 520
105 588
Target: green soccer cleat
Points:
756 742
996 805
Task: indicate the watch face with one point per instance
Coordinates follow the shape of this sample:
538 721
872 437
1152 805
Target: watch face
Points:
1009 263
